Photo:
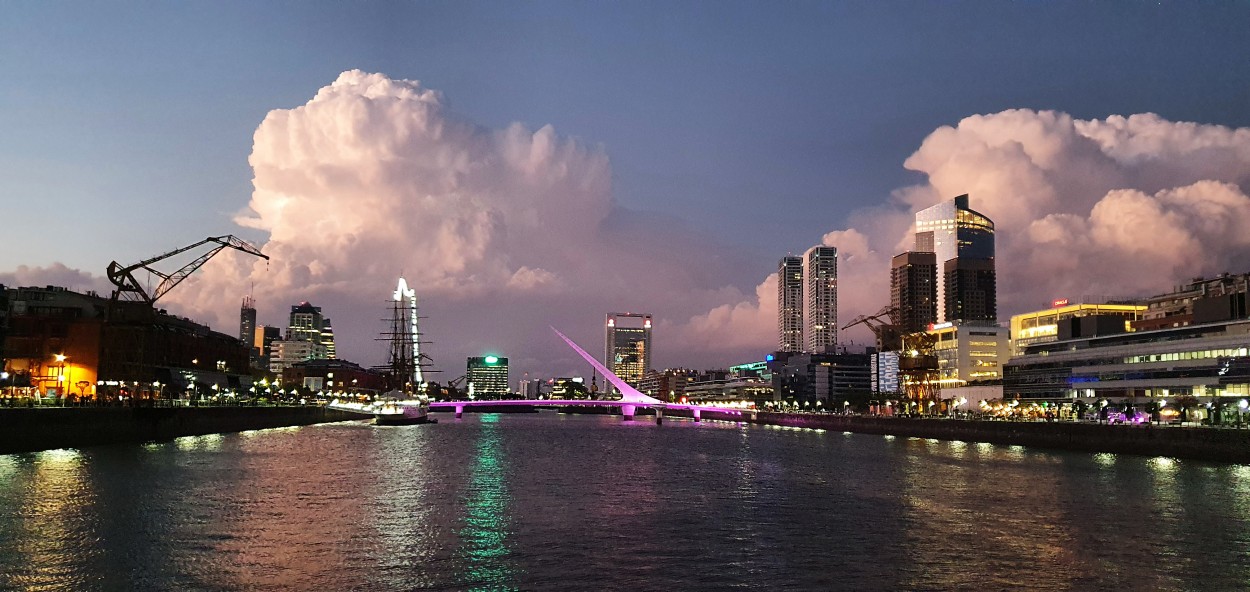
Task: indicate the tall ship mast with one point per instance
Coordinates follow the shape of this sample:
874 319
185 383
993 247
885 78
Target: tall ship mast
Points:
405 401
405 365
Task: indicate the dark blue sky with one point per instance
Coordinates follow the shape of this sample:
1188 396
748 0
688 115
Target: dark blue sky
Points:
764 123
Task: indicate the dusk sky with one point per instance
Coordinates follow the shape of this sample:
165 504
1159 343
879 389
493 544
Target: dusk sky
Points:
535 164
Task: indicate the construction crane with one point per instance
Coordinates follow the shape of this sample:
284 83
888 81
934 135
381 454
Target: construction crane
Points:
888 337
130 290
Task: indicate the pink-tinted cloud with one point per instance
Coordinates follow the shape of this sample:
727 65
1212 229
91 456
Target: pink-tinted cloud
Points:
505 231
1125 206
56 274
500 231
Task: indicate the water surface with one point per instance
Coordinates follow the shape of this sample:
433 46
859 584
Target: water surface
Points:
557 502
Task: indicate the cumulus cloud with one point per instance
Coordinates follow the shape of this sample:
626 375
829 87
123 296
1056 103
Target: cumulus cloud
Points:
500 231
504 231
1123 206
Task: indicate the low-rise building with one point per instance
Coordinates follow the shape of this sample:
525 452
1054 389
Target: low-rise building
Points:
825 378
1208 361
970 352
1043 325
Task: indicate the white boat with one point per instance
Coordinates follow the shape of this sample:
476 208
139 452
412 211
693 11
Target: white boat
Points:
395 409
401 411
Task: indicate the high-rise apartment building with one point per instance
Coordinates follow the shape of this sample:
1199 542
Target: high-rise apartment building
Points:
913 290
487 377
790 304
820 315
627 345
951 230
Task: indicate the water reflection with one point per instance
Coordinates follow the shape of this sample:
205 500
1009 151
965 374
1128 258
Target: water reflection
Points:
484 538
573 503
45 531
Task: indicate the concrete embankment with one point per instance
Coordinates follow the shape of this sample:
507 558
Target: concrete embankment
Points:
26 430
1213 444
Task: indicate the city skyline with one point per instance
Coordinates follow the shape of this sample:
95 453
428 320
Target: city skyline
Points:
673 190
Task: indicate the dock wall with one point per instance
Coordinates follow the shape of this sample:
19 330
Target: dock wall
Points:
1214 444
26 430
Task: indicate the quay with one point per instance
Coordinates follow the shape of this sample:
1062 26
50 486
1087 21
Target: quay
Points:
1225 445
33 429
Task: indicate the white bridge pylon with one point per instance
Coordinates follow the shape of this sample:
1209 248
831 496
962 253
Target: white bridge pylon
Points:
631 399
629 394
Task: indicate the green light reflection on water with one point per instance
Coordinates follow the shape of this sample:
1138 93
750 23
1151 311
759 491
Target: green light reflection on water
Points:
484 538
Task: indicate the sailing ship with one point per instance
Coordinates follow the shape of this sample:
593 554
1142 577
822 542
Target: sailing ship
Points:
405 401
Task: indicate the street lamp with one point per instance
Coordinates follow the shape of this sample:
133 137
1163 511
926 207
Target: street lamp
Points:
62 382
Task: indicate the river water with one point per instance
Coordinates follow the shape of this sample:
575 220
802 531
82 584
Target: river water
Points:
558 502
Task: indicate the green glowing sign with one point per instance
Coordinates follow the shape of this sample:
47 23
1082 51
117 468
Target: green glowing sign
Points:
492 360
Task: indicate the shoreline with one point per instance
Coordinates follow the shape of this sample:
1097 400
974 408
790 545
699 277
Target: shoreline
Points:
33 430
1229 446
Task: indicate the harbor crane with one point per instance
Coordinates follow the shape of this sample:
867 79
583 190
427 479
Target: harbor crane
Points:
918 365
888 337
128 288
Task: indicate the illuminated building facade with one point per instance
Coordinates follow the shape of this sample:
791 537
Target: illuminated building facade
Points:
885 374
913 290
790 304
1208 362
287 353
953 231
308 337
820 315
487 377
305 324
970 352
1043 325
627 345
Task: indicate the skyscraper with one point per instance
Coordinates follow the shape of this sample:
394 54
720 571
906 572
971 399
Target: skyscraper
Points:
627 345
790 304
913 290
970 290
247 322
820 316
487 377
951 230
247 332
